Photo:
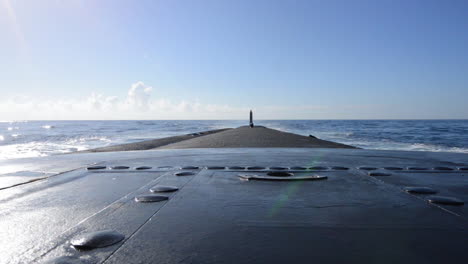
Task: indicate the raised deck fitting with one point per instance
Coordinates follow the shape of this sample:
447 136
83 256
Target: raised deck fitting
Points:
420 190
417 168
216 168
143 168
443 168
162 188
393 168
446 200
184 173
256 168
97 239
150 198
120 167
96 168
190 168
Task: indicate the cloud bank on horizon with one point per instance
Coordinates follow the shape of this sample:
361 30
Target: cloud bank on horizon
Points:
139 104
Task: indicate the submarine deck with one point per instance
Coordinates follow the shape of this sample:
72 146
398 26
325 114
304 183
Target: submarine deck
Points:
340 205
241 137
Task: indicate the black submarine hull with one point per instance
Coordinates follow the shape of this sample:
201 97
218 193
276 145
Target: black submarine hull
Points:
224 205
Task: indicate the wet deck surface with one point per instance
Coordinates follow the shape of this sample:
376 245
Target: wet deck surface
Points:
241 137
217 217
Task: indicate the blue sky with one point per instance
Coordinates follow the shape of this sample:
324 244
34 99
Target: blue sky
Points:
216 59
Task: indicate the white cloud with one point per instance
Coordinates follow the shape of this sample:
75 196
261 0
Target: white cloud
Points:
98 102
138 96
139 104
95 101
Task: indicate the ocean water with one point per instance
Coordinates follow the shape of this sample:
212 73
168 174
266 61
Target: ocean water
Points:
41 138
